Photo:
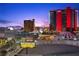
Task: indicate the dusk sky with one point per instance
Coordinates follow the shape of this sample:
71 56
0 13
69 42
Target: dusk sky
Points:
12 14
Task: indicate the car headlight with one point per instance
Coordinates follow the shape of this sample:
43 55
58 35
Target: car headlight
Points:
75 38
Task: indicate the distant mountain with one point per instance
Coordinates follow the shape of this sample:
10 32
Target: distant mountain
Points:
16 27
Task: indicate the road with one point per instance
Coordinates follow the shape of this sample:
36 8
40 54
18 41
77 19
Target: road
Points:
50 50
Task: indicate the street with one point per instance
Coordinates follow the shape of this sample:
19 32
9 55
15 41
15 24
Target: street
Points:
50 50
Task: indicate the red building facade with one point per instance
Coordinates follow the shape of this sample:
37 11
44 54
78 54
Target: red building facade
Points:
60 19
76 18
68 18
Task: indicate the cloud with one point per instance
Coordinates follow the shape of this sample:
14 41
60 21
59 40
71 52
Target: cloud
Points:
2 21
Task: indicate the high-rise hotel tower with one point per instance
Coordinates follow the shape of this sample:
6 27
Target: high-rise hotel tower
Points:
63 20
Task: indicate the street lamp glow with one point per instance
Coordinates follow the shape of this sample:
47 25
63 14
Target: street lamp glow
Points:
41 31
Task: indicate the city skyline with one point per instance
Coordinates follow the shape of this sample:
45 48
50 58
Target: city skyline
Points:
13 14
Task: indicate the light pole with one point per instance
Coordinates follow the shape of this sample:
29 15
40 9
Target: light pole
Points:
26 51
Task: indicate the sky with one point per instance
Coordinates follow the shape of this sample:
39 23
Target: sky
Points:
14 14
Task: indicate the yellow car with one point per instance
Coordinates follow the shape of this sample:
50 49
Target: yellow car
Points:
28 45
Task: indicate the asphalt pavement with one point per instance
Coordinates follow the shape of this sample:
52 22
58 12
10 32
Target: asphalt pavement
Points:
50 50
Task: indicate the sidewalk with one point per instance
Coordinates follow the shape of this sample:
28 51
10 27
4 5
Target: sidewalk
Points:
14 52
